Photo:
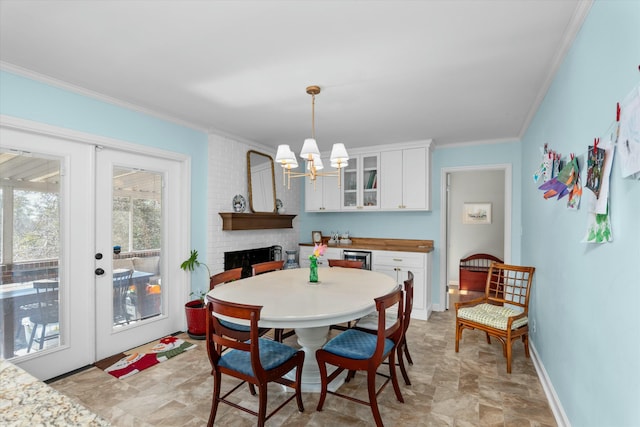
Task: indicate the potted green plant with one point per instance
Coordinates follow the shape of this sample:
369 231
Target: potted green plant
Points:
195 309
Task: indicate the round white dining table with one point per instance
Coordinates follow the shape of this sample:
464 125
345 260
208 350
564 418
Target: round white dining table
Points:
288 301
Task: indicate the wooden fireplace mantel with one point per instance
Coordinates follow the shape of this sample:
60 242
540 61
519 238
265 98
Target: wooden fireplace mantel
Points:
255 221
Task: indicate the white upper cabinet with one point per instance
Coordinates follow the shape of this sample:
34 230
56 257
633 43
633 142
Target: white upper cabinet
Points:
405 179
360 183
324 196
385 177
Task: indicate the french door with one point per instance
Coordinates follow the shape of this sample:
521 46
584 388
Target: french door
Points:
138 214
85 196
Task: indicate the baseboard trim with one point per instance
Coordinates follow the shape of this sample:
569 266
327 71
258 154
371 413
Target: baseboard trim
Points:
549 391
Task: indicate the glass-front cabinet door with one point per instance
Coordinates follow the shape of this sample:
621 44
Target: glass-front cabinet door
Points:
360 183
350 184
370 167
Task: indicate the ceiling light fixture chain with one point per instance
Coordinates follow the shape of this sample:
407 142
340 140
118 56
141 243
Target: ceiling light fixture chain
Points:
313 91
310 153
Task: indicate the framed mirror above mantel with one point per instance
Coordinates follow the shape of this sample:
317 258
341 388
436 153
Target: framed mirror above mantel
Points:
262 198
261 182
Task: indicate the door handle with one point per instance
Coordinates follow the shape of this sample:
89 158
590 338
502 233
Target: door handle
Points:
99 271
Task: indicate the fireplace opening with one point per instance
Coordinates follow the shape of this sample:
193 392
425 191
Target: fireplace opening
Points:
246 258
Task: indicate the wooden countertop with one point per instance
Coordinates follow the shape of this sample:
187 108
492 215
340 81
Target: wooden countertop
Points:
374 244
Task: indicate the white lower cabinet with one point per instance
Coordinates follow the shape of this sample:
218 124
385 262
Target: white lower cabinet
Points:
329 253
397 265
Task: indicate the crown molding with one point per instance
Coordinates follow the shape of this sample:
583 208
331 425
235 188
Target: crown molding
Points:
478 142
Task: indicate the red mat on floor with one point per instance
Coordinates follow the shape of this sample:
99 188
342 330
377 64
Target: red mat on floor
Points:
124 365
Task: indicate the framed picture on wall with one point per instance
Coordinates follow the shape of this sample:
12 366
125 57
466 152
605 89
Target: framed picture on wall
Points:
476 213
316 237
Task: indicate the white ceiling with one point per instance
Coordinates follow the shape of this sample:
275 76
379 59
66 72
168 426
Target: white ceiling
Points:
390 71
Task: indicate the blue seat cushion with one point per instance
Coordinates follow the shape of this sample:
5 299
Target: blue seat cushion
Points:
354 344
272 355
234 326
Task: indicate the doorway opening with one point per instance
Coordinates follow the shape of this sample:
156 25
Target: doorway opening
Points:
488 185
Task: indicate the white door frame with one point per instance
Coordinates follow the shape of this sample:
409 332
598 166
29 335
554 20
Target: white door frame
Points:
445 218
35 364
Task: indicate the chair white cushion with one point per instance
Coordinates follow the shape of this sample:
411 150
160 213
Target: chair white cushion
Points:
492 315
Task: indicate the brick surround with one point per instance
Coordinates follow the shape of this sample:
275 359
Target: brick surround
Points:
228 177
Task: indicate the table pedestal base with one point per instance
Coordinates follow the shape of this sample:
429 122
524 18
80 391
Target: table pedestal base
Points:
311 339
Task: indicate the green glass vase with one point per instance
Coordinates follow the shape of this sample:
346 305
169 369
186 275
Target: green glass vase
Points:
313 270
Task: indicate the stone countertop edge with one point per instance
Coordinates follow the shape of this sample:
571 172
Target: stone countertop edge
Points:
422 246
25 400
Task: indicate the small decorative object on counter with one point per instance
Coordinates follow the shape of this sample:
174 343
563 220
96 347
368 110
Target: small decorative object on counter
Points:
291 260
318 250
280 207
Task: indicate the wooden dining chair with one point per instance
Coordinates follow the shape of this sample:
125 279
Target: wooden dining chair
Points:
266 267
344 263
347 263
369 323
502 311
46 313
257 361
230 329
356 350
225 277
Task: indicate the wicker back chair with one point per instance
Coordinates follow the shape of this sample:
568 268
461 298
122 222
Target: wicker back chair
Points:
502 311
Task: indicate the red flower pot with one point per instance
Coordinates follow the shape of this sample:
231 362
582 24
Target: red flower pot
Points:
196 319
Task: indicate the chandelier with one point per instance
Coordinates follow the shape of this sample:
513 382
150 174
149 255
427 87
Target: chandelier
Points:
310 154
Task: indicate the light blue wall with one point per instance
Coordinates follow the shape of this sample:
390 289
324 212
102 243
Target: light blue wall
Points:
28 99
585 296
423 225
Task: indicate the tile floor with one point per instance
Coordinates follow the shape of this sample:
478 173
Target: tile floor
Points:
470 388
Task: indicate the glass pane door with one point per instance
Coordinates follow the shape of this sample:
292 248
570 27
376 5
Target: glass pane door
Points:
30 250
137 243
140 221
